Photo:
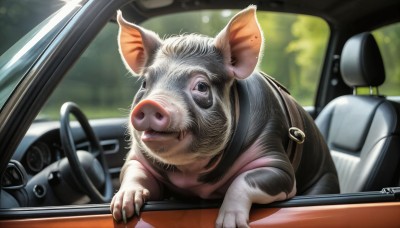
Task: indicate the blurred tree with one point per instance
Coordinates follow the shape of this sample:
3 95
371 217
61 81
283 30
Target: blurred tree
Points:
309 46
276 61
389 45
13 14
208 22
98 82
293 52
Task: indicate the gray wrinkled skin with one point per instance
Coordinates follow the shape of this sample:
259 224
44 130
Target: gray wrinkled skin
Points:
185 115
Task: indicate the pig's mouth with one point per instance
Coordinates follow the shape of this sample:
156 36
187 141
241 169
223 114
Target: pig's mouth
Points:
162 136
168 147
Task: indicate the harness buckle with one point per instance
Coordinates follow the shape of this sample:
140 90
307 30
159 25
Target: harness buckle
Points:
297 135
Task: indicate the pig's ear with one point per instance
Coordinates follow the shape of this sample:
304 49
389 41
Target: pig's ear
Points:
241 42
136 44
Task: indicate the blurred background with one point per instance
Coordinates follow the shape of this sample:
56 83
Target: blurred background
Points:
294 52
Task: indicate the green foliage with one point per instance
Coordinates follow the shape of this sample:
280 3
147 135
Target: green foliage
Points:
293 54
309 46
389 45
276 60
207 22
16 19
293 51
99 82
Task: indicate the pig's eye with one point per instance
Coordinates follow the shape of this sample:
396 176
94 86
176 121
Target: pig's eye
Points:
202 94
202 87
144 84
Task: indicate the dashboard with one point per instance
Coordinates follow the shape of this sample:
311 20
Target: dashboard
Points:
38 156
41 154
41 149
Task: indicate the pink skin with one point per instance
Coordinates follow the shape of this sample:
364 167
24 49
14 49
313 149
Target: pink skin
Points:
158 131
153 120
159 125
161 128
186 181
156 126
135 189
140 179
149 114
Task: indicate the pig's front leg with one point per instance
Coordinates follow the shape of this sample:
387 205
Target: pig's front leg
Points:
262 185
137 186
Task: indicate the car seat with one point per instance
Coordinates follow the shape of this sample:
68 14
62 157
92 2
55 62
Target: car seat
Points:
362 131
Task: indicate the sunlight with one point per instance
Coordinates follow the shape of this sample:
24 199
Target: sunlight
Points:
64 11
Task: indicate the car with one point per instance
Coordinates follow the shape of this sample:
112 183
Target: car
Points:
59 63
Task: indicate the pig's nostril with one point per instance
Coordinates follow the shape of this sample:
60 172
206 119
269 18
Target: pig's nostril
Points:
140 115
150 115
159 116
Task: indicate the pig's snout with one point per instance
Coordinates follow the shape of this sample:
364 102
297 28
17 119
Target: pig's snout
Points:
150 115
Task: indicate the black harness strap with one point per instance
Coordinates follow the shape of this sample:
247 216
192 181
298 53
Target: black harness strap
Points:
296 134
235 147
233 150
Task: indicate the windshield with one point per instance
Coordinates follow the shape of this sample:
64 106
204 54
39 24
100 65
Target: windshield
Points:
28 26
104 88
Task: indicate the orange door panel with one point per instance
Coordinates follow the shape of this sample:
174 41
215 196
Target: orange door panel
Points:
351 215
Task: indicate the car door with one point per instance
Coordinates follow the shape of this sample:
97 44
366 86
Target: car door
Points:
48 70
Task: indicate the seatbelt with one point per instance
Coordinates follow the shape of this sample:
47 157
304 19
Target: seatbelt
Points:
296 133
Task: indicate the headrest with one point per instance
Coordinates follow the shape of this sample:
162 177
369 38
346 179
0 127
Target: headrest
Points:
361 62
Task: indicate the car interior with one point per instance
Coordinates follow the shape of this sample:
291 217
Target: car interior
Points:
352 94
362 131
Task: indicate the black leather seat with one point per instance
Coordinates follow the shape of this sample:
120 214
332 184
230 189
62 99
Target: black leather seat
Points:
362 131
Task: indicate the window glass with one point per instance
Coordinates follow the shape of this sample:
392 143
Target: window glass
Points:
293 51
389 45
27 27
17 18
101 85
98 83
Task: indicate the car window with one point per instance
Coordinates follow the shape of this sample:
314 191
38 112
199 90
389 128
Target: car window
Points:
17 18
389 45
293 51
101 85
98 83
26 26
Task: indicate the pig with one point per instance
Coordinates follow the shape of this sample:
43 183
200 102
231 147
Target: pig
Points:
207 124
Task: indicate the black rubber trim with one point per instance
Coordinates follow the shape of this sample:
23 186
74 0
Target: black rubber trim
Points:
98 209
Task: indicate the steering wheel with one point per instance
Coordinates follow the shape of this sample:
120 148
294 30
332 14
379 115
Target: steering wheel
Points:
95 163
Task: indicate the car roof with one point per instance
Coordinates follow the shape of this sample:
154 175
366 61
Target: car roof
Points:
352 15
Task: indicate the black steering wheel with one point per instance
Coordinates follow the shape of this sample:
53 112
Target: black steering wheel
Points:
84 164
